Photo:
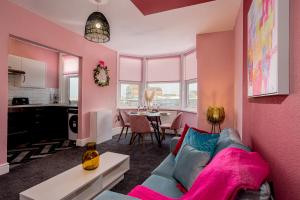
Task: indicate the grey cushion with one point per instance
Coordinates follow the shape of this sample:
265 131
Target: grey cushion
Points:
173 143
166 167
163 185
189 165
229 138
108 195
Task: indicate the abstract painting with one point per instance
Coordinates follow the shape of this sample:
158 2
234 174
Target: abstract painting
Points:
265 38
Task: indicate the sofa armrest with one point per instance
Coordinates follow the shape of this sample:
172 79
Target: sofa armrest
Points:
108 195
173 143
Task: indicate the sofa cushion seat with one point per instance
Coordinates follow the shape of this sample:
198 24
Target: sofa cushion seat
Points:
166 168
163 185
108 195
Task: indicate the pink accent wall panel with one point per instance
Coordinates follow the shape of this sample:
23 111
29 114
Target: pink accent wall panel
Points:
271 125
148 7
22 23
215 56
26 50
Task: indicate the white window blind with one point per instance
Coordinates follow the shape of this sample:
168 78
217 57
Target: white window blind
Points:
190 67
163 69
70 65
130 69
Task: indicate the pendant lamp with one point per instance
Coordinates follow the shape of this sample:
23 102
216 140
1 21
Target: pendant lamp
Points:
97 27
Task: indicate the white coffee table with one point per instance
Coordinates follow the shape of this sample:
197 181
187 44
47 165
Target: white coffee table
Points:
79 184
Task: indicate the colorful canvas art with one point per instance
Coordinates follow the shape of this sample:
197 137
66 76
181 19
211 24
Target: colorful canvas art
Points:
262 48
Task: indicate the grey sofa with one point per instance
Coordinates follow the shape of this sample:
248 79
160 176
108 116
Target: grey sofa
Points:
163 174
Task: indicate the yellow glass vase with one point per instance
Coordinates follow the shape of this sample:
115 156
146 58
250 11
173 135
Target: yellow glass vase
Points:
91 157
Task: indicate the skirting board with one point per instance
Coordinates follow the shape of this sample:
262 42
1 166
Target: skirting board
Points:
4 168
116 131
84 141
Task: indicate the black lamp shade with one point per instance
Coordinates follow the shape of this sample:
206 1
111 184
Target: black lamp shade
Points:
97 28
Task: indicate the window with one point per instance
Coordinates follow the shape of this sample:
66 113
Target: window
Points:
130 78
130 93
167 95
173 78
192 94
165 84
73 88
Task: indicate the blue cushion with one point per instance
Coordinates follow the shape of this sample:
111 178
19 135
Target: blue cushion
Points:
163 185
166 167
200 141
189 165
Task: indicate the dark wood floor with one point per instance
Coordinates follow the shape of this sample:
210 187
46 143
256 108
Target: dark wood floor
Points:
142 162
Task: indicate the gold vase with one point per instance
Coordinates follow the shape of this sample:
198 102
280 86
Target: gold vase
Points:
91 157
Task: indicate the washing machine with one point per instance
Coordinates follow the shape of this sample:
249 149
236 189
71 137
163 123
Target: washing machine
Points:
73 123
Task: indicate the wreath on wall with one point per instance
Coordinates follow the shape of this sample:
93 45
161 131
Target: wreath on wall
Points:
101 76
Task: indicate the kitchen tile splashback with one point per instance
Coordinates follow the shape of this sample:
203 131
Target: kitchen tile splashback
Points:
35 95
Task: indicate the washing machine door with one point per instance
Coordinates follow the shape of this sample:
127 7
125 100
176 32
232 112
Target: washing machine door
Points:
73 123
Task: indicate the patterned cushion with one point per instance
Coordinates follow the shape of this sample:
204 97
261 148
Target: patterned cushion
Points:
200 141
189 164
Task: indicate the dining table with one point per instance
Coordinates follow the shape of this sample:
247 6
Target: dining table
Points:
154 119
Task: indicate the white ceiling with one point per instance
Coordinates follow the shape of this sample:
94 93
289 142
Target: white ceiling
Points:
135 34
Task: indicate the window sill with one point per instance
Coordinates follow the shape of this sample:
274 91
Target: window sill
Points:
189 110
164 109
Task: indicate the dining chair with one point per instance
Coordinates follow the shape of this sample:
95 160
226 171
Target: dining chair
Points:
140 126
175 125
124 125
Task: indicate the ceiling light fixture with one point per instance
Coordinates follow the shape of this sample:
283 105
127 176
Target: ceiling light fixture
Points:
97 27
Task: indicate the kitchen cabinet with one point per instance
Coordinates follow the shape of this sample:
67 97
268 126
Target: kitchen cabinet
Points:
33 124
35 72
14 62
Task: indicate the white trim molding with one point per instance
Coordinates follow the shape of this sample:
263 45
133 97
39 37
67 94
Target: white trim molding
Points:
116 131
4 168
82 142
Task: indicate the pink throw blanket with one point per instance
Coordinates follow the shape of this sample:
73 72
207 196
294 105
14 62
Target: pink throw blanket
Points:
230 170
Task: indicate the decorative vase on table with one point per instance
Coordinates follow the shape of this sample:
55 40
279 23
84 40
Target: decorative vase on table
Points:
149 96
91 157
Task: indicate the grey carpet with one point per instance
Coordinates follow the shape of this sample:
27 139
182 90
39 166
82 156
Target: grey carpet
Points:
142 162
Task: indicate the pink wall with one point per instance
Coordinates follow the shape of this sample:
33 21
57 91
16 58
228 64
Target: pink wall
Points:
215 75
189 118
238 73
271 125
22 23
27 50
